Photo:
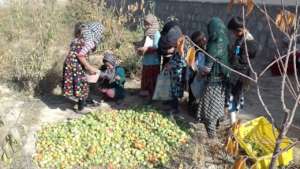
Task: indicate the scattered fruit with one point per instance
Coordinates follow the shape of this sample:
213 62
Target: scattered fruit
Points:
123 139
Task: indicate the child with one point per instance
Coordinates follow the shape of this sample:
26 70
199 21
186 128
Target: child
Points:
176 67
168 41
196 70
151 60
170 47
238 61
76 64
112 78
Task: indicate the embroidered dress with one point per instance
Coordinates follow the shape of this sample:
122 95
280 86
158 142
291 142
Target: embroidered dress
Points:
178 66
74 79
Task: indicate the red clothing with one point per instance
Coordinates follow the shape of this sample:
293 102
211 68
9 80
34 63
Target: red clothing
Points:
149 77
290 70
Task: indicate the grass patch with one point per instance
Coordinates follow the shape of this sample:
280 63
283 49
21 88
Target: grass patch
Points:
36 35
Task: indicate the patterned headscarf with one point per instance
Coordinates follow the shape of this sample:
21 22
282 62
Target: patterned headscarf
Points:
92 34
110 58
154 25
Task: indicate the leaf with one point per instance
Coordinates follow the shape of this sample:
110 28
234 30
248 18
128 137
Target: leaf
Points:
240 163
229 145
190 59
180 45
285 20
236 149
250 6
248 3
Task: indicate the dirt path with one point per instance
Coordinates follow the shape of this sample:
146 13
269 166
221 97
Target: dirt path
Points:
26 115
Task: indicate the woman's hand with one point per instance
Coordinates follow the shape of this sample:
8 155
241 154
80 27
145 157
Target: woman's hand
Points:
171 50
118 78
205 70
141 51
92 70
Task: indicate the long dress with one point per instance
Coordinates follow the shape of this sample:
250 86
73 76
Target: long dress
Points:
211 105
74 77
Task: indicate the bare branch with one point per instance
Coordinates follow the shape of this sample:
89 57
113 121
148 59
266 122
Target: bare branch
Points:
286 110
295 48
255 73
264 105
295 127
289 114
273 62
287 148
270 18
222 64
290 86
293 112
246 46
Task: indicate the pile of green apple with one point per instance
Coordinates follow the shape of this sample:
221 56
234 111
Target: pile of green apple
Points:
134 138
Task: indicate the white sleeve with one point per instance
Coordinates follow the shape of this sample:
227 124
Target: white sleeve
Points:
148 42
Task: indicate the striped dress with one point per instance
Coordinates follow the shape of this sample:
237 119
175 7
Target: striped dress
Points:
211 105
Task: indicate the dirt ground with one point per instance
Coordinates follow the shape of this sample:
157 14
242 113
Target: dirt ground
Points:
28 114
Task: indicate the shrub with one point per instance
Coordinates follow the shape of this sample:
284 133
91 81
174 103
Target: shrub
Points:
36 34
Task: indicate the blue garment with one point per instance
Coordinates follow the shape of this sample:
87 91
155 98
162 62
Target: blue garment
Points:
234 105
153 58
200 61
200 64
197 81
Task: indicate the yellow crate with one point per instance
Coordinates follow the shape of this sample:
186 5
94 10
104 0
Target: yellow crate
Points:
258 134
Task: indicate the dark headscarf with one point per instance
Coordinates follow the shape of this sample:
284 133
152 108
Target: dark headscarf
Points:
218 44
199 38
235 23
169 36
168 26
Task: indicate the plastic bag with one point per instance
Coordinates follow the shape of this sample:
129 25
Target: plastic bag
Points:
163 87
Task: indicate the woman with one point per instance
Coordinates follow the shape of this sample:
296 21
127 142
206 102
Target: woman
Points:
167 44
76 65
170 46
195 71
211 106
151 60
112 78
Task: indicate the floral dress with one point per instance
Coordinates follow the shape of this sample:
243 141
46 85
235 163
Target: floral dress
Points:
74 80
178 66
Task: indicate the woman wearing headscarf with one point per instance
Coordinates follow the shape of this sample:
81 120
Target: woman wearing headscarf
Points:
151 60
211 105
171 46
167 44
86 37
112 78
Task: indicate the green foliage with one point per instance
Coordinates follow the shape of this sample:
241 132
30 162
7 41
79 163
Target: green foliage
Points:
36 34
